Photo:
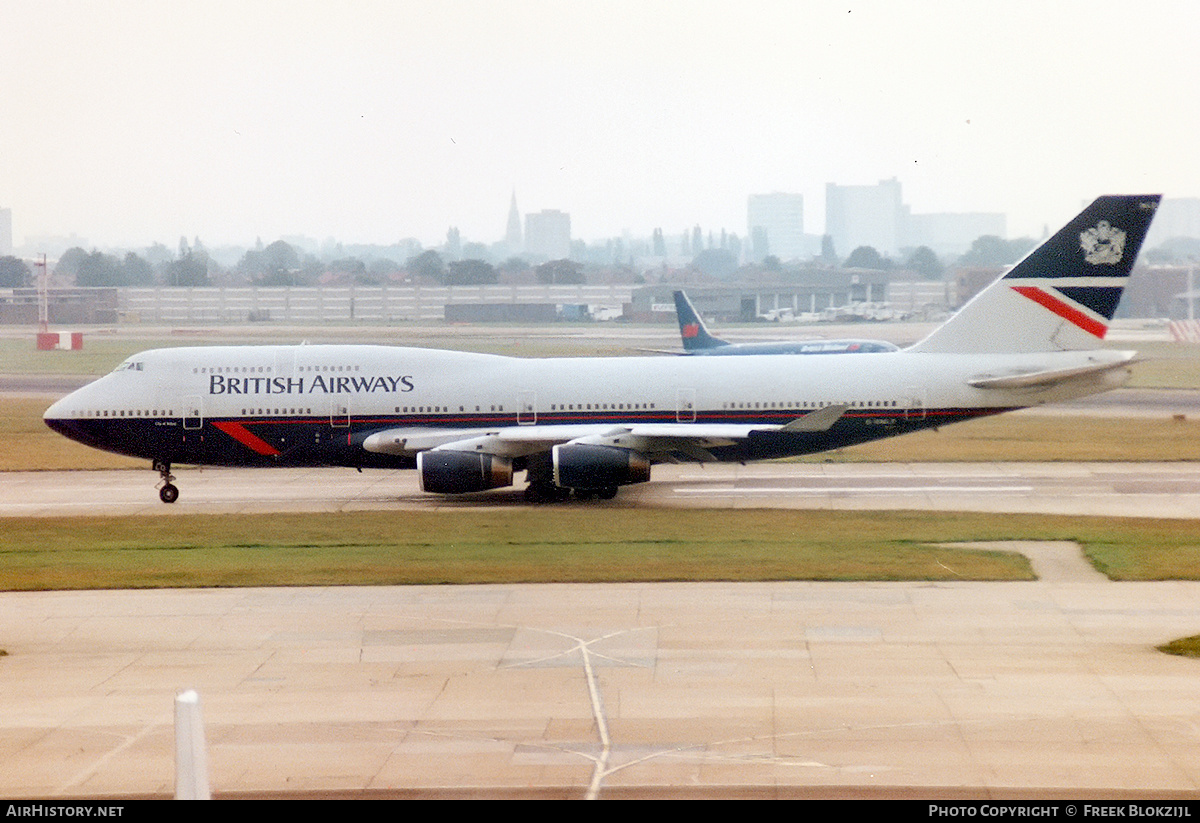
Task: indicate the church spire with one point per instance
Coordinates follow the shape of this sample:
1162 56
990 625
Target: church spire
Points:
512 237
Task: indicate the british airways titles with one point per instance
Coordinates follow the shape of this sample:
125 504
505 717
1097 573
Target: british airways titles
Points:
220 384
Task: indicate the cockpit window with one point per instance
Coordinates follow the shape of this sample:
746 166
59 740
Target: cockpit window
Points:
130 365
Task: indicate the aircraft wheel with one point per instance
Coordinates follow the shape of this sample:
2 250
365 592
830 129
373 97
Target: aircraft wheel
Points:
539 493
168 493
607 493
546 493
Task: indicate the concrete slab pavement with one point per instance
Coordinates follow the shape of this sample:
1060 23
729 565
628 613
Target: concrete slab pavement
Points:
765 689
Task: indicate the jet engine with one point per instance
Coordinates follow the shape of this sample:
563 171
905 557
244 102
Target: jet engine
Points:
451 472
580 466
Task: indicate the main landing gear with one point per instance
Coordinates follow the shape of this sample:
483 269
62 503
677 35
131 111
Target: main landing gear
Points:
167 492
549 493
541 488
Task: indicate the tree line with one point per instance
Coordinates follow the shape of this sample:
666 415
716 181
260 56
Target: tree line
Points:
281 264
277 264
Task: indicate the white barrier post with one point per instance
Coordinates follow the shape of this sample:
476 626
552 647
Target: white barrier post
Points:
191 756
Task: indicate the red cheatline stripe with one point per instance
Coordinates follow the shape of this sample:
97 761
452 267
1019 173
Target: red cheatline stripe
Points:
1066 312
251 441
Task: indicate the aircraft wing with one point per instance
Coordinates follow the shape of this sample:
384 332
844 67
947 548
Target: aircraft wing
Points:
691 439
413 439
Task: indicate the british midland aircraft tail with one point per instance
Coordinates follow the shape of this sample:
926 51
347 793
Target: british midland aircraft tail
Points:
583 427
692 330
698 341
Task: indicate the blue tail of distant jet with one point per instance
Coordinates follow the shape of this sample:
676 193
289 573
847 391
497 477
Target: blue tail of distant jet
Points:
691 327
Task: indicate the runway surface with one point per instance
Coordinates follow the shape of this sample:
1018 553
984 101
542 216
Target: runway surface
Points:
1122 489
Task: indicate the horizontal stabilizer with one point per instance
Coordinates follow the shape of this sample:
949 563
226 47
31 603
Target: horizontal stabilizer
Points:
1046 378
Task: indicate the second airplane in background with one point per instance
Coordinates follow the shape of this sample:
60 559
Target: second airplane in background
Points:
698 341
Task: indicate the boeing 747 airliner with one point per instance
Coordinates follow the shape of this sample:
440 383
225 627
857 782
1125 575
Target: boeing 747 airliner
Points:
583 427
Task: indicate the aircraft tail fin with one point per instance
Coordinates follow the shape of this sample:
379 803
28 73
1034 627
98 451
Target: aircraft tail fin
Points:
1063 294
691 328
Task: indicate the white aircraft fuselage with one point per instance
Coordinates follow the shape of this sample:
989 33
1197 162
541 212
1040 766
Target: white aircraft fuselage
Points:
302 405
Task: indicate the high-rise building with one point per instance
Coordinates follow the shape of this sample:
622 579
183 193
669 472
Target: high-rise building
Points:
864 216
876 216
775 224
548 234
951 234
6 241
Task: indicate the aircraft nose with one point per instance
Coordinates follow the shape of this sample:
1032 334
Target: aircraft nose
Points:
62 417
65 408
55 412
63 427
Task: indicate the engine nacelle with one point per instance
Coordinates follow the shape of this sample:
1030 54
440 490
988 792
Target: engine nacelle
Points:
451 472
578 466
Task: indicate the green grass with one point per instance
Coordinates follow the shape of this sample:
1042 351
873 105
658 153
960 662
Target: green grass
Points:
1164 365
100 355
554 544
536 545
1170 552
1184 646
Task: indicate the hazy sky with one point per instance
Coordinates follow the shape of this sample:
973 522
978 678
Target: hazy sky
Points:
371 120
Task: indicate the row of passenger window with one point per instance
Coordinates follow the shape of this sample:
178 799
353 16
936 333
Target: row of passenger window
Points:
809 404
128 413
494 408
553 407
441 409
267 369
600 406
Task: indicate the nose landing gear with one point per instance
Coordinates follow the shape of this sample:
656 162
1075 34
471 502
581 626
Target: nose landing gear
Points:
167 492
